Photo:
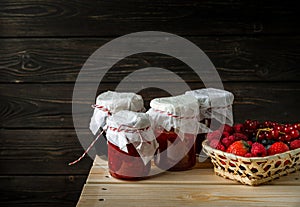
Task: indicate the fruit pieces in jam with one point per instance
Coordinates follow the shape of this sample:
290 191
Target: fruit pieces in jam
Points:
126 166
174 154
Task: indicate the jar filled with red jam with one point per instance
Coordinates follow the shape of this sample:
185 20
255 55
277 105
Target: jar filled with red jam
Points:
215 111
109 103
170 146
176 125
131 145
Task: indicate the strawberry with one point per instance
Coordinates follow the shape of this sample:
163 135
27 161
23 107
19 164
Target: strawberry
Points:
214 135
295 144
258 150
277 147
239 148
238 128
216 144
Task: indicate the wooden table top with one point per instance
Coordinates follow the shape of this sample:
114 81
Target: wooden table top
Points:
196 187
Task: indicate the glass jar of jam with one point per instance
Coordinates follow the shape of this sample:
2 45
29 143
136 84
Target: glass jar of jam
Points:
131 145
175 153
126 165
215 110
176 125
109 103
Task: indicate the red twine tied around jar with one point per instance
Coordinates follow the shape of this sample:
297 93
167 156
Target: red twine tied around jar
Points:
174 116
95 106
87 150
92 144
131 130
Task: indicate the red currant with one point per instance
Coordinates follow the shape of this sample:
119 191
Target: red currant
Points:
267 124
287 137
247 121
275 133
269 135
287 125
281 138
279 128
286 130
261 136
295 133
296 126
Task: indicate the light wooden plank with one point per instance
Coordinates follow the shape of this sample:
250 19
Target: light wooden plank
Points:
188 195
196 176
99 175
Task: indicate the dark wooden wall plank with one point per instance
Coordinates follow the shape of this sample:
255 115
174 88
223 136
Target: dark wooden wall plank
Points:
108 18
236 59
49 105
41 152
59 191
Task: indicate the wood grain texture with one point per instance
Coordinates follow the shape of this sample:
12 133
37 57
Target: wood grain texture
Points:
107 18
236 59
201 174
41 152
40 190
188 195
196 187
49 105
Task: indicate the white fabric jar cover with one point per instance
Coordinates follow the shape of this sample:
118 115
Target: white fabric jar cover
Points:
110 102
177 112
125 127
214 104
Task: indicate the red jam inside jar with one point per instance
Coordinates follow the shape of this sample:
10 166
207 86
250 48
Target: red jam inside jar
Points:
126 166
174 154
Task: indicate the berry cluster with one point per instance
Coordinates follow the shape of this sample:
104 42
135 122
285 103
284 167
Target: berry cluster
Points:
255 139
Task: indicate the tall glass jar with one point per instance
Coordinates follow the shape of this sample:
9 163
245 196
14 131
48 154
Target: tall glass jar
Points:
215 110
109 103
175 122
131 145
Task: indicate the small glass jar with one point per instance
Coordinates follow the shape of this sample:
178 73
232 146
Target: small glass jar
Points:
171 144
126 166
131 145
176 125
109 103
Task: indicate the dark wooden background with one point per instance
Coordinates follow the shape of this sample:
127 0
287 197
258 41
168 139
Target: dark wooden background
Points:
43 45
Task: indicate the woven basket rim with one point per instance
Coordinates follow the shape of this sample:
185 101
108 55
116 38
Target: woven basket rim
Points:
249 159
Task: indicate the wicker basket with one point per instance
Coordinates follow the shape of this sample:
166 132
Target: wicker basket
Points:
253 171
